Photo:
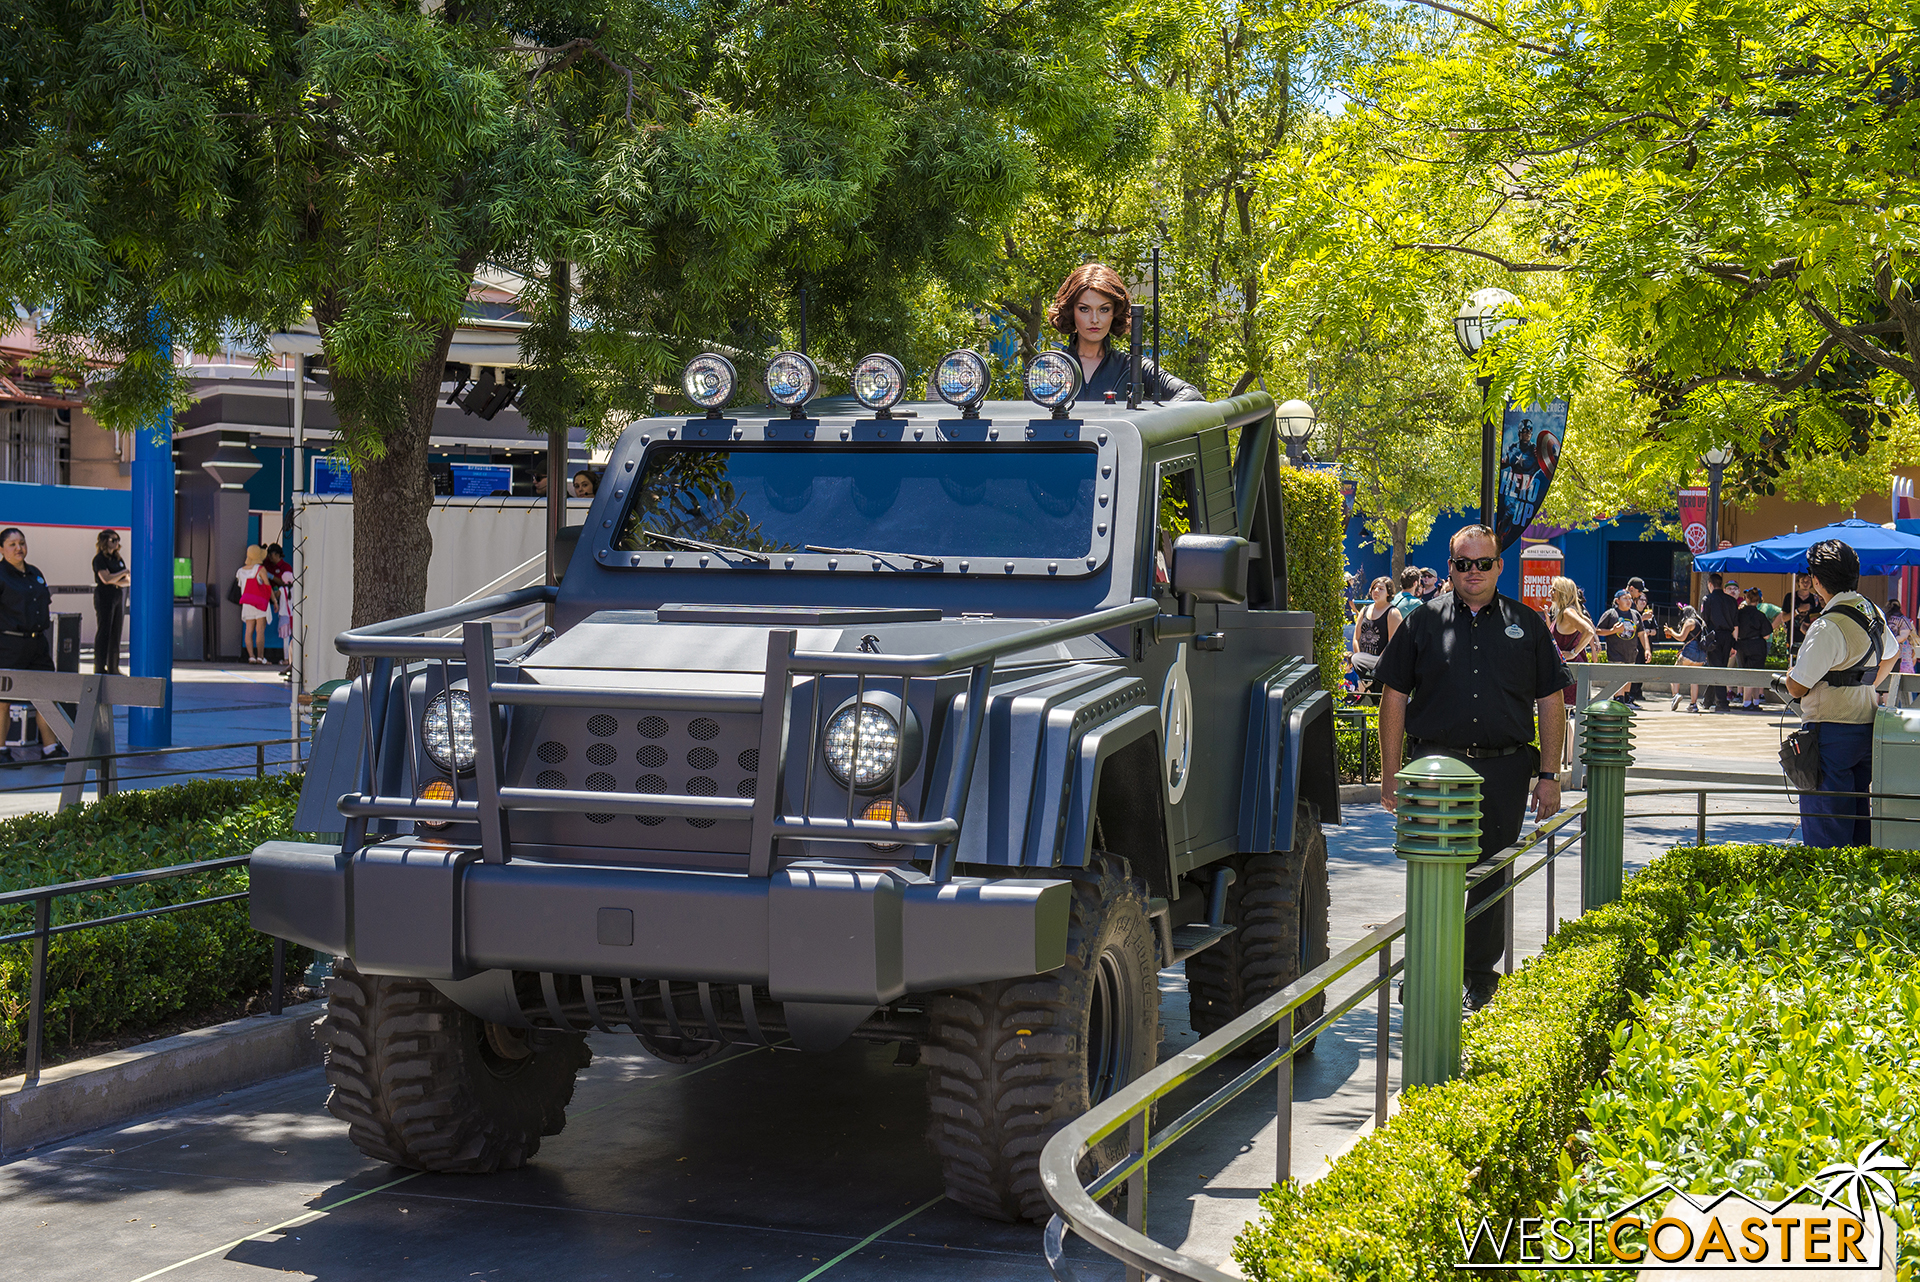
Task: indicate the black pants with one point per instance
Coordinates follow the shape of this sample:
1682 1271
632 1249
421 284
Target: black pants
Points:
108 618
1717 694
1506 786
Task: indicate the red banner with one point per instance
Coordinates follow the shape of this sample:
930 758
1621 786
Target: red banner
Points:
1693 519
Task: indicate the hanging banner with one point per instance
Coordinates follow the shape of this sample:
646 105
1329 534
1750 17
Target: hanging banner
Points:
1693 519
1529 452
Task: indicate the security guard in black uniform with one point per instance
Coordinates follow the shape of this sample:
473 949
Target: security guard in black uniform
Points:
26 620
1467 676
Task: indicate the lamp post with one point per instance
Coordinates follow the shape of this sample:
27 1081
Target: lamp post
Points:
1479 320
1716 460
1294 421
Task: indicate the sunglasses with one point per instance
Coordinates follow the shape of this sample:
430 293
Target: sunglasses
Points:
1462 564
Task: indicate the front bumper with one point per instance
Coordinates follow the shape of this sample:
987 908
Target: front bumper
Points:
815 931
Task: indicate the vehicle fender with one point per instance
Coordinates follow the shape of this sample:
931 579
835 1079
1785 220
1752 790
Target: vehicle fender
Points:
1289 756
1117 778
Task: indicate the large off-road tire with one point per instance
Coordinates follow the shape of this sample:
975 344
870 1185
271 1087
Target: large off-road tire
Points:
1277 906
423 1084
1012 1061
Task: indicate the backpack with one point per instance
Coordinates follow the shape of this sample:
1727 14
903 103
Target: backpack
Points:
1860 673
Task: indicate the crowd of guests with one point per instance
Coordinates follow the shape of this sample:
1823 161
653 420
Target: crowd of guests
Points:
1731 627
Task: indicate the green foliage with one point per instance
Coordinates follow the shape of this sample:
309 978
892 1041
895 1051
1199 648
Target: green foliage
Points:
1784 1037
1317 563
134 974
1489 1143
1347 746
1711 208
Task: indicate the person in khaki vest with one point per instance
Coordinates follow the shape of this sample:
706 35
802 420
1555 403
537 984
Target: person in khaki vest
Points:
1845 654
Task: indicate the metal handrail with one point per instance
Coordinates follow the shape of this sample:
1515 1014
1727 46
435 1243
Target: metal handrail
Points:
43 931
118 781
401 638
1076 1205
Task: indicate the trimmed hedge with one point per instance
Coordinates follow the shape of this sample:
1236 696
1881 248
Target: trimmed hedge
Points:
1317 563
1783 1037
131 975
1489 1143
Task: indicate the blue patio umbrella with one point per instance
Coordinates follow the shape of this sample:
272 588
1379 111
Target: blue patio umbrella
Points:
1881 550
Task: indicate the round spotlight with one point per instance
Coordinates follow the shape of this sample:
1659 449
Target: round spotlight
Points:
446 731
1053 380
863 746
792 379
886 812
961 380
879 381
708 381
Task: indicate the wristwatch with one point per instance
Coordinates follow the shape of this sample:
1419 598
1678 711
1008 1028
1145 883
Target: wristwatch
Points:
1550 774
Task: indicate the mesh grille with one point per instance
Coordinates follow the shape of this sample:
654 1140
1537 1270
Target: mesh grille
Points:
703 728
603 754
703 758
601 725
748 787
701 786
653 756
552 752
651 783
600 780
551 779
652 727
750 761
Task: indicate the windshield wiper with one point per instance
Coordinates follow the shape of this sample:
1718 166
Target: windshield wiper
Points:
933 561
701 545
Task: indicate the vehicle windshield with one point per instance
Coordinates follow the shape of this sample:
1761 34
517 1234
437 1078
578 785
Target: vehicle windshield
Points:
1018 502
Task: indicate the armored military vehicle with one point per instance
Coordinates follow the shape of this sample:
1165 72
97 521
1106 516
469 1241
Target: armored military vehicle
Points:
945 724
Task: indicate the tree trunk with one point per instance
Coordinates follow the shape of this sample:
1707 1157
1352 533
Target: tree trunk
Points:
392 493
1399 549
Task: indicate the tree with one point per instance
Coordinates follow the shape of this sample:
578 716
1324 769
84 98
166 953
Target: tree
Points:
1725 195
666 176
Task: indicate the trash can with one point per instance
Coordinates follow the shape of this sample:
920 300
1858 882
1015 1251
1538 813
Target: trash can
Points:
66 642
1896 768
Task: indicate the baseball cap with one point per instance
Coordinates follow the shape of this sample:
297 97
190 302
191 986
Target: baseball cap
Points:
1638 585
1621 593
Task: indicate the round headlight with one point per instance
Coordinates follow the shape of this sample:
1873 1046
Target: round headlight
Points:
879 381
1053 379
877 752
708 381
962 379
792 379
447 730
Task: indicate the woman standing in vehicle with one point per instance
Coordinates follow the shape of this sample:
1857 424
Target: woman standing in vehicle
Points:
1093 306
26 615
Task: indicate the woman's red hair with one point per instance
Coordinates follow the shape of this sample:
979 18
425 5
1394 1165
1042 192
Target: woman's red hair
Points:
1102 280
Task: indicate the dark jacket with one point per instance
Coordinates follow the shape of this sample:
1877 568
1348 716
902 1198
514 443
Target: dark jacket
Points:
26 602
1115 373
1721 616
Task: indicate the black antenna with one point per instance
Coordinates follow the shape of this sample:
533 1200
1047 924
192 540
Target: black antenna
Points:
1156 309
803 315
1136 321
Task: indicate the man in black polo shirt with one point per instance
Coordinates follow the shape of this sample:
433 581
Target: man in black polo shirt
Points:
1468 676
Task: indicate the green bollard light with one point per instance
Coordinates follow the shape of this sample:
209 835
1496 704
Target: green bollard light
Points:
1607 750
1437 831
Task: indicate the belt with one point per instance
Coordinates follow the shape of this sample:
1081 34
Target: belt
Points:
1422 745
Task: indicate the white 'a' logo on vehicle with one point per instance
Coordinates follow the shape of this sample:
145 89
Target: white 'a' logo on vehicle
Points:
1176 725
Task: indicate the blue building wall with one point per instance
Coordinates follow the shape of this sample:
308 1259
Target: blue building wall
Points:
1586 551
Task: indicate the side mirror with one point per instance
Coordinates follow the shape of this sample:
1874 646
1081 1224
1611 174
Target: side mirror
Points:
1211 567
